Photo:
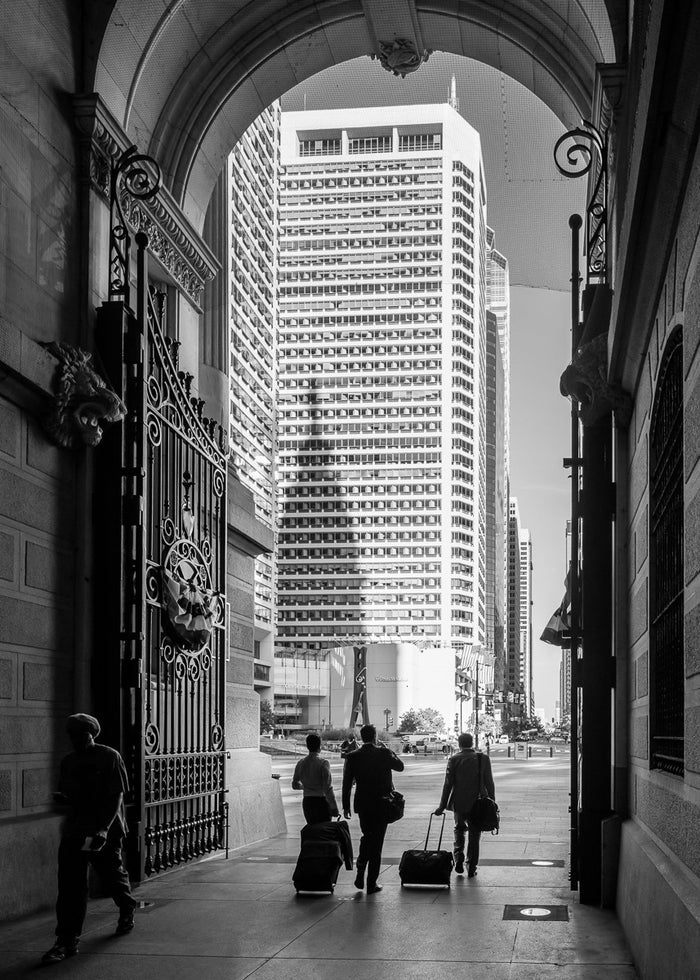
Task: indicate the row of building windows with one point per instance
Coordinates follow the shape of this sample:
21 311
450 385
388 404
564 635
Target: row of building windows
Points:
352 585
366 287
426 629
355 616
420 173
364 328
368 244
382 209
360 199
326 170
288 553
337 574
377 274
385 260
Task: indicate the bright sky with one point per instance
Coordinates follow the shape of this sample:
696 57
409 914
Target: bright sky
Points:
529 204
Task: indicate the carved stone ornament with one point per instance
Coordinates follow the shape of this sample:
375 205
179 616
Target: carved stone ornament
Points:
171 239
83 403
585 381
401 56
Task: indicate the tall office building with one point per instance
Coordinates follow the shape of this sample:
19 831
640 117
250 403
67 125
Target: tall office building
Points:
518 672
565 684
496 501
498 303
253 192
526 567
383 416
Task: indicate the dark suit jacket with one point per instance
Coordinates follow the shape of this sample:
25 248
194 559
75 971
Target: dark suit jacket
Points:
331 830
369 768
461 787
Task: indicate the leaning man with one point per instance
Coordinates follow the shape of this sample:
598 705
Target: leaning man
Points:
460 792
92 785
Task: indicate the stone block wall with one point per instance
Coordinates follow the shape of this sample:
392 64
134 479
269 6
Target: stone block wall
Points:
37 504
658 897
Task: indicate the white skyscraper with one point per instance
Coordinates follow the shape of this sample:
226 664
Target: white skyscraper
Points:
382 419
253 191
526 619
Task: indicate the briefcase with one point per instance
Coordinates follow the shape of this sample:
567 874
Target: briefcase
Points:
425 867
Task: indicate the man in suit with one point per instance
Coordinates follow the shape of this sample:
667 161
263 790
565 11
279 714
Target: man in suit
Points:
369 768
460 792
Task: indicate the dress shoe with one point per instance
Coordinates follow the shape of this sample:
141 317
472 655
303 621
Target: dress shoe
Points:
472 871
459 866
125 923
360 879
374 888
61 950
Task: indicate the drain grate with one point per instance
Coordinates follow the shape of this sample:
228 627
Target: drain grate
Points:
537 913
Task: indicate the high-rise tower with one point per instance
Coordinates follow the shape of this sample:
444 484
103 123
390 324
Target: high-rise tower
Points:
382 339
253 179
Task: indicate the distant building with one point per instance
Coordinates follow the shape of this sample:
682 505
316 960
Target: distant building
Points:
518 672
383 368
253 183
526 568
565 683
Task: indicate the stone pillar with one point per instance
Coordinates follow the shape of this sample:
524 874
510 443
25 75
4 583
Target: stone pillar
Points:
596 672
255 800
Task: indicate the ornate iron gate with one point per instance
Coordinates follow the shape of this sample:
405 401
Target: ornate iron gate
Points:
173 618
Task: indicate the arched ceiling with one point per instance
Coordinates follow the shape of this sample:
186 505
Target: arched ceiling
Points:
185 78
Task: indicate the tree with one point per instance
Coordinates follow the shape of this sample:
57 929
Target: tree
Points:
421 720
266 716
408 722
431 720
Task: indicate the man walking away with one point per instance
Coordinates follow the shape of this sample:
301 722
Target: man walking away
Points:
369 768
460 792
313 775
92 785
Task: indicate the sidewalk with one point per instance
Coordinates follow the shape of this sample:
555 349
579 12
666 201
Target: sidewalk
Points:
240 918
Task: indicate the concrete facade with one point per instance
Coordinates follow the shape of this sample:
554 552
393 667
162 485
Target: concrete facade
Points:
631 67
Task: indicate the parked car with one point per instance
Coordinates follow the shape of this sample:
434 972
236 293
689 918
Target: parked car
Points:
503 739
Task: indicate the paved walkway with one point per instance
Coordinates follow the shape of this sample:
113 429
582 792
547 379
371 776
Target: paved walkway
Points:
236 919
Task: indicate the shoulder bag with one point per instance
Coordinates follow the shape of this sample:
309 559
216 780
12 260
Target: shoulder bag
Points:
485 813
393 806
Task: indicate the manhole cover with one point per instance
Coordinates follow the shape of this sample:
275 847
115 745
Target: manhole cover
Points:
537 913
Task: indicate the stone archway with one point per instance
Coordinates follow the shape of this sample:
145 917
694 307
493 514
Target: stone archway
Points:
184 80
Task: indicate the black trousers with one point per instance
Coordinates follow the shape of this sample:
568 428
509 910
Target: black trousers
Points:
316 809
373 829
73 863
462 825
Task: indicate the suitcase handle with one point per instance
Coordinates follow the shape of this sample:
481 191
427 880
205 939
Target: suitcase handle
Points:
442 829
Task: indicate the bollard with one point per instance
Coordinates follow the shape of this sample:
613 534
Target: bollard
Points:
529 751
551 751
509 750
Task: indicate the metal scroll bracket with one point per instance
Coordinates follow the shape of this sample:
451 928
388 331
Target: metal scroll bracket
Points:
134 176
576 153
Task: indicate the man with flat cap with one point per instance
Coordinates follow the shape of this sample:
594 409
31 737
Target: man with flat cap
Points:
92 785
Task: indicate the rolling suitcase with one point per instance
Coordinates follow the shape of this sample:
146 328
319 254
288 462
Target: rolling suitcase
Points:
317 866
427 868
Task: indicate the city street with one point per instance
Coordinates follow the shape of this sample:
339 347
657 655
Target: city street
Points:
240 918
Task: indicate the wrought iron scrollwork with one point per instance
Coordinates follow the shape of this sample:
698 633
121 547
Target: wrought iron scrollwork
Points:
576 153
134 175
